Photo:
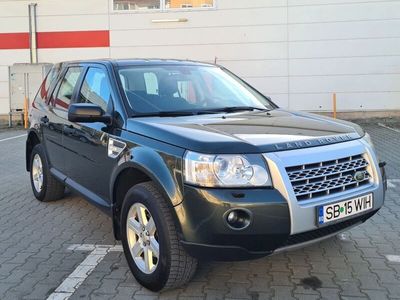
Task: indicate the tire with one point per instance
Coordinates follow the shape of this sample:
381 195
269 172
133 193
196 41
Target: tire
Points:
173 267
51 189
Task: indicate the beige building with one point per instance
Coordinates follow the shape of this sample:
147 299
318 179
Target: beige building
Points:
298 52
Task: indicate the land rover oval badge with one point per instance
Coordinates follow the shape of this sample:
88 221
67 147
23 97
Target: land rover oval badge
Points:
359 176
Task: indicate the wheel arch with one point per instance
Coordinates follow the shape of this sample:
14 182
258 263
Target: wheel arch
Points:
131 173
31 141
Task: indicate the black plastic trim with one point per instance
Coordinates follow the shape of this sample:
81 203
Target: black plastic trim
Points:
326 230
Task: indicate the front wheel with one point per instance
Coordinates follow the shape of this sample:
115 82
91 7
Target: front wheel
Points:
150 241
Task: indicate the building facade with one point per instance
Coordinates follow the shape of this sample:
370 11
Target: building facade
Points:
299 52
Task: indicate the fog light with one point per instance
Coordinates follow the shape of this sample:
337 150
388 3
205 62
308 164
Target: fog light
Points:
232 217
238 219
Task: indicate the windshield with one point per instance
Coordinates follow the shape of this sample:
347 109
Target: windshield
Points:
165 89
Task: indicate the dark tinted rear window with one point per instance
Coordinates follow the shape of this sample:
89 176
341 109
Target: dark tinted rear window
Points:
48 82
64 93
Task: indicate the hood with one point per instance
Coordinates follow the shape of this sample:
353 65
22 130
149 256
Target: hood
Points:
246 132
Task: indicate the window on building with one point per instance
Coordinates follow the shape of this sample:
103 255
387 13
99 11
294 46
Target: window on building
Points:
136 4
66 90
161 4
95 88
189 3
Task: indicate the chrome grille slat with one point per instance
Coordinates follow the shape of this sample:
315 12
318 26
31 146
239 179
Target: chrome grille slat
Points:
346 181
324 178
295 176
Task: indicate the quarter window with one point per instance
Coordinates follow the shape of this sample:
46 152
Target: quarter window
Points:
44 88
95 88
161 4
66 90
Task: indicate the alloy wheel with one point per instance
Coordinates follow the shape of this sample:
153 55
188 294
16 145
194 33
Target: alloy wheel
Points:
37 173
142 238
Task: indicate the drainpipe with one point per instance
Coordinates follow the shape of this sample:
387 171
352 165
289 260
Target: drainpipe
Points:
32 33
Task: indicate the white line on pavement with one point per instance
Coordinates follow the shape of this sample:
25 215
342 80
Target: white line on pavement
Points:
91 247
392 183
390 128
393 258
13 137
68 287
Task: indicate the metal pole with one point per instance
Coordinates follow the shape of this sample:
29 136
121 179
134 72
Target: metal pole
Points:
9 98
32 33
334 105
26 108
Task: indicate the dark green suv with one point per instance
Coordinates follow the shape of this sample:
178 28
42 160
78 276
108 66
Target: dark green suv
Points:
192 162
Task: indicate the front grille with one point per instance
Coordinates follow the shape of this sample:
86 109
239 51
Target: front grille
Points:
327 230
320 179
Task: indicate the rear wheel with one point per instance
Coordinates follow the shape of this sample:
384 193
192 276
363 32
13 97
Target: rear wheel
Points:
150 241
45 186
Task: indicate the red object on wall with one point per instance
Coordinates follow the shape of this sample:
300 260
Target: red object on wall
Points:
62 39
73 39
19 40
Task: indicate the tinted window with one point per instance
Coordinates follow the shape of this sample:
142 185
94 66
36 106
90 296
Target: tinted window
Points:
50 78
95 88
66 89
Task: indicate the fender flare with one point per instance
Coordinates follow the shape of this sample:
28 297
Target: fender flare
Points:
30 133
151 163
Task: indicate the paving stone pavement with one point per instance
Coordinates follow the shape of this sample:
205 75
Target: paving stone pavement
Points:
34 237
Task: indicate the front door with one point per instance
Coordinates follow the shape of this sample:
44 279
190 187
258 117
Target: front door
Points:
88 163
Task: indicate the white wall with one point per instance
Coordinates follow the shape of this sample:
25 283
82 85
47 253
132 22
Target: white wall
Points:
344 46
248 37
13 18
297 51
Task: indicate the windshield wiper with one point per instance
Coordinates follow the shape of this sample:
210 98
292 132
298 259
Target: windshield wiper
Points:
166 114
230 109
178 113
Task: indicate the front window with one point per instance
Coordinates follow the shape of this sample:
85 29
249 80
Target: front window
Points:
187 89
161 4
95 88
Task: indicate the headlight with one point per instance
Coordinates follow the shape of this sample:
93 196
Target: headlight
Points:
226 170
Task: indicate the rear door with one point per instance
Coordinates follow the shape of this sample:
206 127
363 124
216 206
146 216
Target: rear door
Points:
54 120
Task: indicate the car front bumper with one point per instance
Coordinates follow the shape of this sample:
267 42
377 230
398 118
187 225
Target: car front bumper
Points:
278 221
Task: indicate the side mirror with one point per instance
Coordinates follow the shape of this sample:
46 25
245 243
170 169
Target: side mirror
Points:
87 113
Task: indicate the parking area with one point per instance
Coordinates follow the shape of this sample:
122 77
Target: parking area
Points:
66 248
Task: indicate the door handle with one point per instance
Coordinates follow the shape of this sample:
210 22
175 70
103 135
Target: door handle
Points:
44 120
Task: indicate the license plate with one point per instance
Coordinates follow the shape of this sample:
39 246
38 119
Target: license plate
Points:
343 209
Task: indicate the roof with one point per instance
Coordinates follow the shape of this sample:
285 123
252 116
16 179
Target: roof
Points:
143 61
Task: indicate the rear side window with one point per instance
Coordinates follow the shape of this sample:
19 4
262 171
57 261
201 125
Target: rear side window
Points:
64 94
50 78
95 88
